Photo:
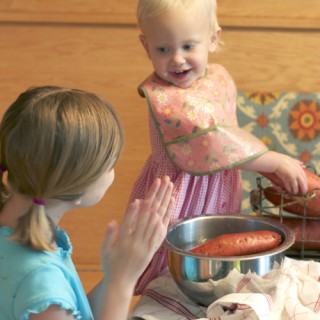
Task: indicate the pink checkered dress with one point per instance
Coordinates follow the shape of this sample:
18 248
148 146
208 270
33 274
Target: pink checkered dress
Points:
218 193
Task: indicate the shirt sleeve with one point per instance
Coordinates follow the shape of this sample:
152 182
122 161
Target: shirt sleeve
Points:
41 288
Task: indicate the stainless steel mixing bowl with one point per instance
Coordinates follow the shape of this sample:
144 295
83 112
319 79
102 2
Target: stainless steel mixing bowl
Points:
196 275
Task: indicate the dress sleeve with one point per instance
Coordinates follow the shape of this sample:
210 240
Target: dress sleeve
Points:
43 287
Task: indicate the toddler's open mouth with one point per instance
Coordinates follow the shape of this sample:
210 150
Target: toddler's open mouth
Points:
180 74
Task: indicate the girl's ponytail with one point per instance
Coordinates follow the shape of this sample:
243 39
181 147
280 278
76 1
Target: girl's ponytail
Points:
35 229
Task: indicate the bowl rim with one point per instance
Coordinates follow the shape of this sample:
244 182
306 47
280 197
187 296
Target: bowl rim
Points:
286 244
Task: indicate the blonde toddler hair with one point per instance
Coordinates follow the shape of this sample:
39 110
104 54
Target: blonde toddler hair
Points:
147 9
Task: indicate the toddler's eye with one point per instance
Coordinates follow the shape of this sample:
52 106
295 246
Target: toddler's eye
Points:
163 50
188 47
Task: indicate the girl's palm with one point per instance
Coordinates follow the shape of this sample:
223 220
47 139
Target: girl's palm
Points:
128 249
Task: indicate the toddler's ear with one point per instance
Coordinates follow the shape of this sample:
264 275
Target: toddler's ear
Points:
215 38
144 42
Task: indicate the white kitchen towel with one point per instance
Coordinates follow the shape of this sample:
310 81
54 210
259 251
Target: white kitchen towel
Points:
291 291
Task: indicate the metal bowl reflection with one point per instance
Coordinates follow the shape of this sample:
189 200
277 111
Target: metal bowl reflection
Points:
197 275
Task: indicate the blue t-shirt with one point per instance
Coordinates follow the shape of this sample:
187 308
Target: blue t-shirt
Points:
31 280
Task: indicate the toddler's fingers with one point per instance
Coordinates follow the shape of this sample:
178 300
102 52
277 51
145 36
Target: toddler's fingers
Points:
303 180
298 182
293 187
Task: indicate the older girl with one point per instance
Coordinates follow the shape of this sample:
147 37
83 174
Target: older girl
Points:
58 150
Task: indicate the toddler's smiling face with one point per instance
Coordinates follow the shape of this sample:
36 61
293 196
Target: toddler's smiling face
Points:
178 44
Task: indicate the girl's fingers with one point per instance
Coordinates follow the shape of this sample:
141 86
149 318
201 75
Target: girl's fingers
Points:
159 220
147 217
160 230
153 190
166 217
149 214
110 236
129 221
166 197
154 199
159 196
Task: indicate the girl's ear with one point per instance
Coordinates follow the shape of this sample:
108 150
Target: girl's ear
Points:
78 201
214 40
144 43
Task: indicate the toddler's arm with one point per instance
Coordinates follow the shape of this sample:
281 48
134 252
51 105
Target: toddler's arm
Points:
288 169
128 249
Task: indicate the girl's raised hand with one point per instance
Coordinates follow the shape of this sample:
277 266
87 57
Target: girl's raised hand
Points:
128 248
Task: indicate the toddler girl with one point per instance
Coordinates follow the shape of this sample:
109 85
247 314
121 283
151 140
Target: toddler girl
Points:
194 133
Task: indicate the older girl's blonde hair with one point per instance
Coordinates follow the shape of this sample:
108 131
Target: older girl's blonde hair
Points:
147 9
55 142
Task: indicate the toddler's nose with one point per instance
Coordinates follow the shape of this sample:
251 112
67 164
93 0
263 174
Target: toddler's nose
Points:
177 59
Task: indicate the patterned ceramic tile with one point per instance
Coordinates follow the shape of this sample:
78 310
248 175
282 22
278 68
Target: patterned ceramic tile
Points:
287 122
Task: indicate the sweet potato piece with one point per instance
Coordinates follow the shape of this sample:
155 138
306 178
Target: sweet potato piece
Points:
239 244
311 236
294 204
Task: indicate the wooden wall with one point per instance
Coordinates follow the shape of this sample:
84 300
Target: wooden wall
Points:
93 45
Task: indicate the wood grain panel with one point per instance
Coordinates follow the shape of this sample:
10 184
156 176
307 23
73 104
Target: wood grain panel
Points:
267 60
270 13
89 277
241 13
107 61
71 11
111 62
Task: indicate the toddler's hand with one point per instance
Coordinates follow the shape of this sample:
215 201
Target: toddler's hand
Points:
128 248
290 172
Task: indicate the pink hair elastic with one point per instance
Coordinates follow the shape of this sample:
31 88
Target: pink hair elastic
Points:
39 202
